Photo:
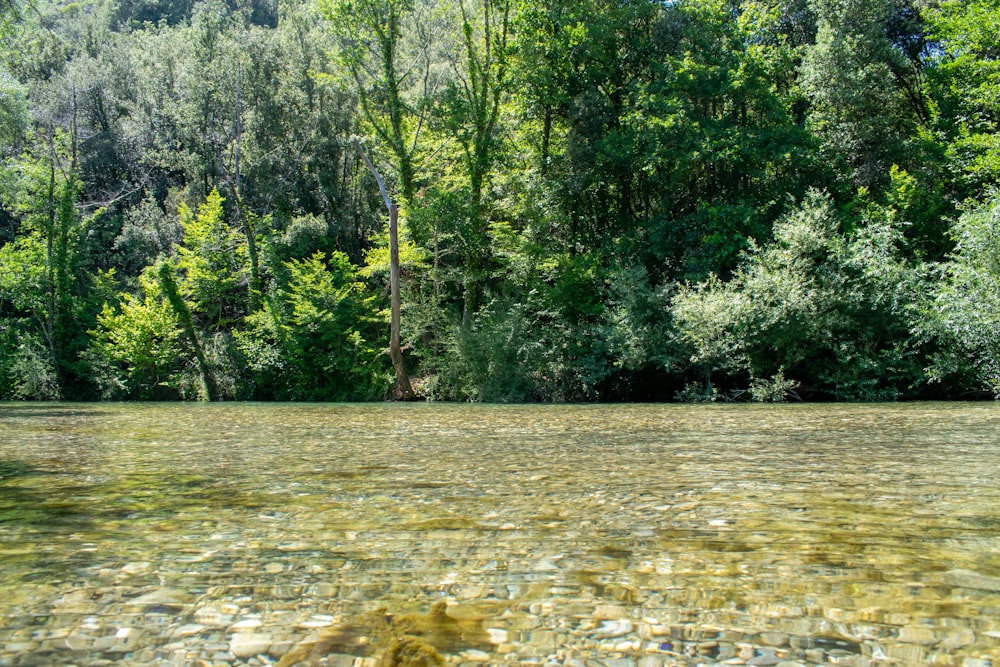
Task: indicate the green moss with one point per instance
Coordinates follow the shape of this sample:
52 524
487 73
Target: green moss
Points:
19 515
14 469
411 652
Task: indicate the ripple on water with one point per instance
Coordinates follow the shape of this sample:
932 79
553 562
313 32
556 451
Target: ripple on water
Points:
632 535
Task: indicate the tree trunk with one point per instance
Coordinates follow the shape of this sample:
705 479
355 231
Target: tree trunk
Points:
403 388
170 290
256 288
395 353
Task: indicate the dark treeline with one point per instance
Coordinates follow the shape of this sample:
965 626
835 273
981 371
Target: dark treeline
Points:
600 200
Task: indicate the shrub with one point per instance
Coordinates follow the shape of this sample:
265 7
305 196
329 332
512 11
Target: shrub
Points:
827 310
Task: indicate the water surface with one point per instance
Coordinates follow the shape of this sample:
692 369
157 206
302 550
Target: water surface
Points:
584 535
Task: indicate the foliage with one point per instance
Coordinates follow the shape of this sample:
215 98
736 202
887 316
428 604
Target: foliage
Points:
628 200
572 333
27 371
46 280
310 340
817 307
212 262
13 109
864 88
373 37
135 349
966 74
965 311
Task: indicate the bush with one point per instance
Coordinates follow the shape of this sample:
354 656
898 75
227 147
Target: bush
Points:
965 317
312 340
135 349
27 371
817 309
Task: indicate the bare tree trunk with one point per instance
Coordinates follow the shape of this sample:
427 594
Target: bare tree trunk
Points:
403 387
170 290
256 285
395 353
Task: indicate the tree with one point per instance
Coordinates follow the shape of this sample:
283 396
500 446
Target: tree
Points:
13 109
43 197
182 317
562 171
714 134
212 261
478 93
27 366
965 313
474 100
311 339
964 79
386 48
395 353
816 307
136 349
865 90
546 45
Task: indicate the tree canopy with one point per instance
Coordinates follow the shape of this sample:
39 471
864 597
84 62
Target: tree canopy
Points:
630 200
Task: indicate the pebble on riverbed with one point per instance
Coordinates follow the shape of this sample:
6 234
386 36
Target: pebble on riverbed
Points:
626 559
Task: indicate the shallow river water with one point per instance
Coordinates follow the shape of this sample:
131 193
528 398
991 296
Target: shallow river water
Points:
624 535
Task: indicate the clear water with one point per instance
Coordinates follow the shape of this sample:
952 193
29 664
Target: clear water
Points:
586 535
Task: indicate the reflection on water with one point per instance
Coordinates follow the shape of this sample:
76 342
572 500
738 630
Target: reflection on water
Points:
578 535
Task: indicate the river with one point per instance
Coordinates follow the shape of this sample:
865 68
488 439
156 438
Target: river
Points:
620 535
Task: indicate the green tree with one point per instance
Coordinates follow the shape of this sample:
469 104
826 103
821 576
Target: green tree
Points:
474 100
212 263
181 319
135 350
479 92
546 45
965 312
386 47
716 141
47 283
865 87
26 369
13 110
816 307
27 364
964 79
310 341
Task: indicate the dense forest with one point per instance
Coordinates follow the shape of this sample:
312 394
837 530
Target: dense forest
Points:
599 199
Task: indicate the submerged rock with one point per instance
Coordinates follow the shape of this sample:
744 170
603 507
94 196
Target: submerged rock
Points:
167 597
249 644
613 628
137 568
970 579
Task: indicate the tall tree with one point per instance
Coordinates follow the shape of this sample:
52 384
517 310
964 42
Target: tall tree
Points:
864 89
386 46
716 141
479 91
474 100
965 77
395 353
48 251
546 47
